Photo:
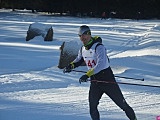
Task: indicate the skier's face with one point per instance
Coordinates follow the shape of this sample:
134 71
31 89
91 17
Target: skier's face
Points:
85 38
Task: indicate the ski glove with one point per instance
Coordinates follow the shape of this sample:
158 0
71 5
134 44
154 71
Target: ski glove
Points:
83 79
69 68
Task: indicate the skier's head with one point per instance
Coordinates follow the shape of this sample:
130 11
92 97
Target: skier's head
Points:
84 29
85 34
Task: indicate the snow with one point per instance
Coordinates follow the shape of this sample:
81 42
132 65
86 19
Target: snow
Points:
33 88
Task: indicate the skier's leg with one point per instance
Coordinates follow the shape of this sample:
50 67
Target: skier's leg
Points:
94 96
114 92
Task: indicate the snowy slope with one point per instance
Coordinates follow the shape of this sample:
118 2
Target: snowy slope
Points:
33 88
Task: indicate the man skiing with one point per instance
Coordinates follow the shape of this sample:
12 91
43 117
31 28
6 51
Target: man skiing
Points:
93 53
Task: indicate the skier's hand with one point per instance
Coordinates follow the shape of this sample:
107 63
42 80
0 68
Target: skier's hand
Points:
67 69
83 79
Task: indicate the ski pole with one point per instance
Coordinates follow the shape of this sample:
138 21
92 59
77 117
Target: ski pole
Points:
115 76
118 82
125 83
130 78
79 71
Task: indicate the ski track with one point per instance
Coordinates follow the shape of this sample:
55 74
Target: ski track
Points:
47 92
61 97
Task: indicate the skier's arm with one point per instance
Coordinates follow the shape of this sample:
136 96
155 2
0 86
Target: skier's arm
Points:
78 61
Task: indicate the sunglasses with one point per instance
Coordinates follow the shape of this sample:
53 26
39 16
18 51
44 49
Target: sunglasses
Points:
85 33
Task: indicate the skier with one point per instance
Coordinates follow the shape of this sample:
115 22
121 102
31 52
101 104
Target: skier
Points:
93 53
103 15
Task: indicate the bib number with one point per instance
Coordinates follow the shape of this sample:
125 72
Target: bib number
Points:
91 63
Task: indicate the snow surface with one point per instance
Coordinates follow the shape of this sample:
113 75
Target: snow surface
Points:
33 88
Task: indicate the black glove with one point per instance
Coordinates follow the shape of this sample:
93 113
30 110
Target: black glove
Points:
83 79
67 69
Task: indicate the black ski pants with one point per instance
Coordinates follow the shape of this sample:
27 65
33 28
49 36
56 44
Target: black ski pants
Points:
97 89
